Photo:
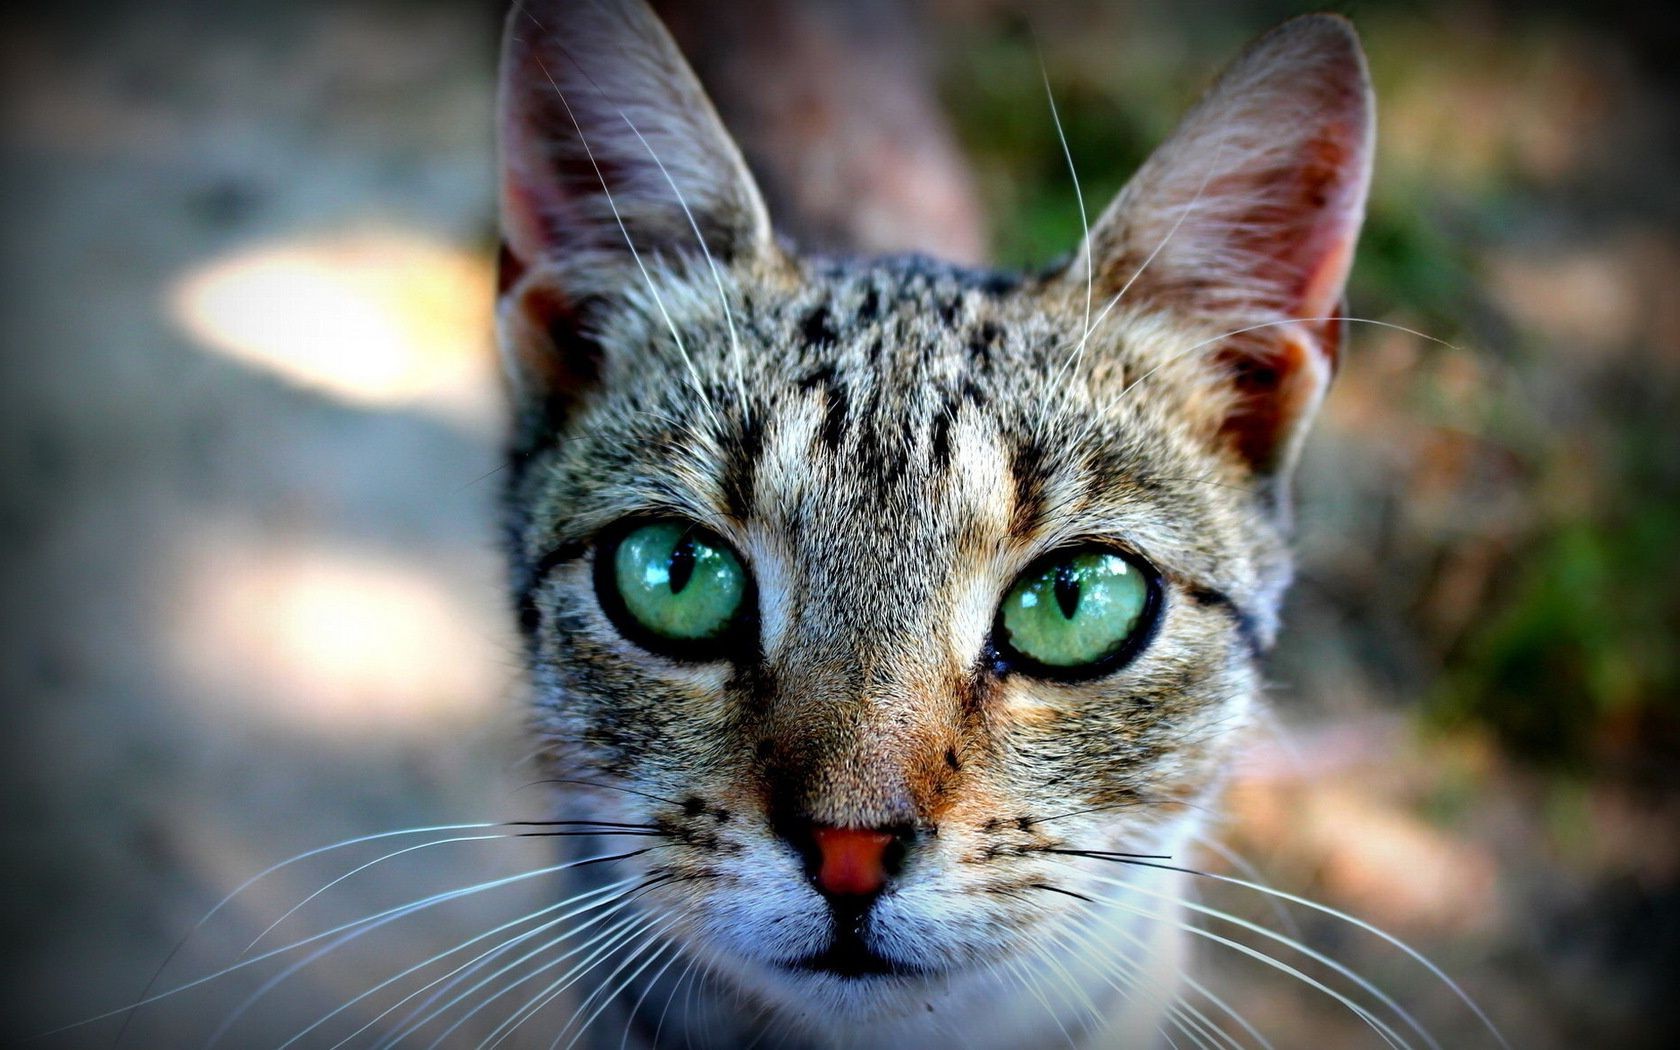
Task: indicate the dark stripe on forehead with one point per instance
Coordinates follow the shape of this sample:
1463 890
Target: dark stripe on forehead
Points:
1029 470
835 405
817 329
740 468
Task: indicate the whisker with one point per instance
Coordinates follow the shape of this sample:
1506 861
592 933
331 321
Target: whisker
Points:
1207 177
1129 969
358 869
1383 1030
659 1028
1032 989
606 191
368 921
265 873
717 278
1249 871
1206 993
606 787
1318 957
608 999
635 1008
1376 931
408 1025
581 909
1204 344
1079 198
599 957
319 953
612 935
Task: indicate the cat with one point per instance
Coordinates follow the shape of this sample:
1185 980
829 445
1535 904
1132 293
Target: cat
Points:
909 613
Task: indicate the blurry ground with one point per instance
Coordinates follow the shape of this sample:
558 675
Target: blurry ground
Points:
252 604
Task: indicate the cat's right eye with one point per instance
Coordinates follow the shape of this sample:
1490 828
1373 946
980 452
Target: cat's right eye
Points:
672 587
1077 614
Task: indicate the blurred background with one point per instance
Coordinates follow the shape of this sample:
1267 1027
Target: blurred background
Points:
248 441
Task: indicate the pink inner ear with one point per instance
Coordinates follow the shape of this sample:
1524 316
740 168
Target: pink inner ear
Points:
1302 236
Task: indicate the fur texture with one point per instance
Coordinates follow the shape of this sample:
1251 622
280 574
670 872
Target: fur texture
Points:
887 444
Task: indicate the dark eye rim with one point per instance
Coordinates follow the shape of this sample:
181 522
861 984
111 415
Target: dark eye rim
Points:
1006 659
732 644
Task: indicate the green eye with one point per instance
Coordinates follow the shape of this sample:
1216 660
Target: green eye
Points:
675 583
1076 613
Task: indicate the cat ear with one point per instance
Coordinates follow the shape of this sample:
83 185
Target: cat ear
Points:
1247 216
610 156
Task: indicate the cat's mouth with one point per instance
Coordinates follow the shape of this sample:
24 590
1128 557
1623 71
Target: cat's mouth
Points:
849 958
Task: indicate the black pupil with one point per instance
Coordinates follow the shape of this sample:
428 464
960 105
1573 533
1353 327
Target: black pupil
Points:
1067 590
681 568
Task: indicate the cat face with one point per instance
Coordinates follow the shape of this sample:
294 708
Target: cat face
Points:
883 589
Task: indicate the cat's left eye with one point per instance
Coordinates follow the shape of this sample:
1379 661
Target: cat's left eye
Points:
672 587
1076 614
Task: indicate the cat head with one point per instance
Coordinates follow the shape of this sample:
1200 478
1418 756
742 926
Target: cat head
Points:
877 585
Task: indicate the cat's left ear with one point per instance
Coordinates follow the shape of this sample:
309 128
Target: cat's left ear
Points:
1246 219
611 159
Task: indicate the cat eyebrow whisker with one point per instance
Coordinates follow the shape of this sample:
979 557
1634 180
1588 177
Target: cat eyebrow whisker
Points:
618 217
1205 343
717 278
1079 198
1184 213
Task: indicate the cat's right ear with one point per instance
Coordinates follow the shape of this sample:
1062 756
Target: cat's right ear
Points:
1245 220
610 156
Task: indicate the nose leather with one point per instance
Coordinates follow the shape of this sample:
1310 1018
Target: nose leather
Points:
851 862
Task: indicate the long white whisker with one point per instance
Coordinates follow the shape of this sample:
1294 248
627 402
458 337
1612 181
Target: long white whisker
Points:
1248 870
504 927
312 957
1204 344
1375 931
278 866
1129 970
611 997
687 974
717 277
536 1003
357 870
622 928
1289 942
368 921
1206 993
1066 979
653 982
1382 1028
1025 977
653 289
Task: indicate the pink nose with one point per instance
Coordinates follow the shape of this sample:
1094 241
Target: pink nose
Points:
851 862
